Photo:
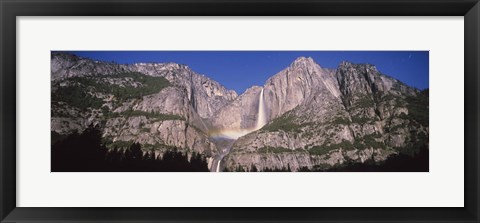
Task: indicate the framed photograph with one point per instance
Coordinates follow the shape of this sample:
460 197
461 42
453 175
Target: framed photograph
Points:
246 111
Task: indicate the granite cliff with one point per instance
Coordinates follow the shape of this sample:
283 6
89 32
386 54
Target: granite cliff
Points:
305 117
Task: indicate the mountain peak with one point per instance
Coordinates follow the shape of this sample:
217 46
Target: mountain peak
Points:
164 65
302 61
345 64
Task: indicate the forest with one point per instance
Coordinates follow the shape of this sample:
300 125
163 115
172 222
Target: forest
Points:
85 152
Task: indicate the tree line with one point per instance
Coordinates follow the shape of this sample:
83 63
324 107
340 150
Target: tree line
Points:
85 152
416 162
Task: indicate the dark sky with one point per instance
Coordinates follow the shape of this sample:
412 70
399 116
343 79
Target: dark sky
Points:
239 70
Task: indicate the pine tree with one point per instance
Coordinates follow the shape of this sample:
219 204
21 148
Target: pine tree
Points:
253 168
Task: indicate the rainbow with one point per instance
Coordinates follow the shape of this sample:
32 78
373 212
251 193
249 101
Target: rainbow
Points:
230 133
237 133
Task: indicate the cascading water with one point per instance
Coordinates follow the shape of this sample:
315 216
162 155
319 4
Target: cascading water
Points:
218 166
261 118
261 121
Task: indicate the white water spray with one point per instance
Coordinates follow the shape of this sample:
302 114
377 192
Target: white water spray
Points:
261 119
218 166
234 134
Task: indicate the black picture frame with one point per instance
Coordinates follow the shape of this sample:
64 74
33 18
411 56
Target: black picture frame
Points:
10 9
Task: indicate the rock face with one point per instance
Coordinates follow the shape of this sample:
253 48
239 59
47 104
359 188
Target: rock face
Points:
317 118
206 95
321 118
158 105
241 113
298 83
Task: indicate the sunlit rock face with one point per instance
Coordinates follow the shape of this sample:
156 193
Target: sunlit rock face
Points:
172 117
205 95
240 113
321 118
234 122
297 83
305 116
281 93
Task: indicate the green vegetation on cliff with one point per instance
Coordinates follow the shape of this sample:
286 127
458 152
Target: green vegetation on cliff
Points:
151 115
89 91
274 150
418 107
325 148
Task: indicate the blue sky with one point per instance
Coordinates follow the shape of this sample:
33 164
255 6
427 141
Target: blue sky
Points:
239 70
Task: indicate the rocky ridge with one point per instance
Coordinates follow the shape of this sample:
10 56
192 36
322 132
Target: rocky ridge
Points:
160 105
327 118
318 118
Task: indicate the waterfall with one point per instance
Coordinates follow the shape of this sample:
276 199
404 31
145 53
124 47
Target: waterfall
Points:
218 166
261 119
232 135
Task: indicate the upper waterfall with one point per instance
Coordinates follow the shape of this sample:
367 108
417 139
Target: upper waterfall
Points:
261 117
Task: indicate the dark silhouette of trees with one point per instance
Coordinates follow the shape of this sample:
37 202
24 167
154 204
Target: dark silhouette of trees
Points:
253 168
239 169
85 152
79 152
198 162
417 162
283 169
